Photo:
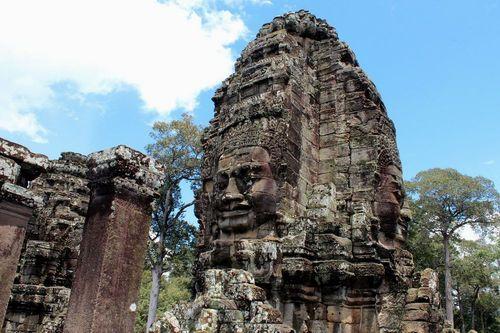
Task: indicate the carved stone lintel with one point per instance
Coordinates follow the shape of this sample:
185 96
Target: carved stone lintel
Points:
19 195
31 164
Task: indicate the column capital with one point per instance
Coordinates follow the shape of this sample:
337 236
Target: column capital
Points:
126 171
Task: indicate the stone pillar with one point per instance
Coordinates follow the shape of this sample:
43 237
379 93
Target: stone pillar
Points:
123 185
16 207
40 295
18 167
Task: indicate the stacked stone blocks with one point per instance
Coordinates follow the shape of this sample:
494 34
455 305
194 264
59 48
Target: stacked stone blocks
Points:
58 193
18 168
302 184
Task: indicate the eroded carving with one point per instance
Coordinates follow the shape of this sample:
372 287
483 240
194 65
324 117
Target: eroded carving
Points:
303 185
244 192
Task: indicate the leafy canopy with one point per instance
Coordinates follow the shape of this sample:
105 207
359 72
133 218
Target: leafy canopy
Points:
177 146
445 200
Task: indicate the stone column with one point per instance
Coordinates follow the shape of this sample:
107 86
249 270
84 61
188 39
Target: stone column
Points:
123 185
18 167
16 208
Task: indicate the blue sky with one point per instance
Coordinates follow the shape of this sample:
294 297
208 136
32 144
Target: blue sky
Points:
435 63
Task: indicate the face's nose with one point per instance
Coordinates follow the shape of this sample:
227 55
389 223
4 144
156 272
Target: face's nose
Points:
232 198
232 193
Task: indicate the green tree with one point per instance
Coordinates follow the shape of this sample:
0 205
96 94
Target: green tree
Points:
426 248
477 272
444 201
488 306
177 146
174 290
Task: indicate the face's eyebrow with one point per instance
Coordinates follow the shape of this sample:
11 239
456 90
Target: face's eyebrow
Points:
226 171
223 164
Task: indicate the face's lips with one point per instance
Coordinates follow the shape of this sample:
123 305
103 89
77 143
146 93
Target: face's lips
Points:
232 213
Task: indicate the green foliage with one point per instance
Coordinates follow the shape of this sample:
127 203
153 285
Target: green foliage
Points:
177 146
488 309
173 291
477 283
445 200
181 265
477 265
427 249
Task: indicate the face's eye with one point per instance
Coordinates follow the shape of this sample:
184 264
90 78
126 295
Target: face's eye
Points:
246 176
242 178
399 195
243 184
221 181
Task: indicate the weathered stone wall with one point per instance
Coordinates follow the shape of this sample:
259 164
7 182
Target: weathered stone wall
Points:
422 312
302 185
18 167
45 273
101 202
231 303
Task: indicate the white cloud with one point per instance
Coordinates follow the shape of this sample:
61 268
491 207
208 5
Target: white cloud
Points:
241 2
490 162
168 51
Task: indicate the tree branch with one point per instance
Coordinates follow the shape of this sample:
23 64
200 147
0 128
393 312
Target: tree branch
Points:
182 209
468 221
148 252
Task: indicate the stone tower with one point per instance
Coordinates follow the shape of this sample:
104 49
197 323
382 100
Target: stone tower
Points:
303 195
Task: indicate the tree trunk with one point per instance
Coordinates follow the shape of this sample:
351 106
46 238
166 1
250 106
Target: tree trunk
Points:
156 273
473 316
157 269
473 308
483 330
461 307
447 280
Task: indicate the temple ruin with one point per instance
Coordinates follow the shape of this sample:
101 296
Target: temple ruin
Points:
41 290
302 215
90 212
302 212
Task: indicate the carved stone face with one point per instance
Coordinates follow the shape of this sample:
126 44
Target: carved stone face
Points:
244 190
389 197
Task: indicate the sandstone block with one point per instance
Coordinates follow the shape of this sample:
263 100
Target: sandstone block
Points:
246 292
